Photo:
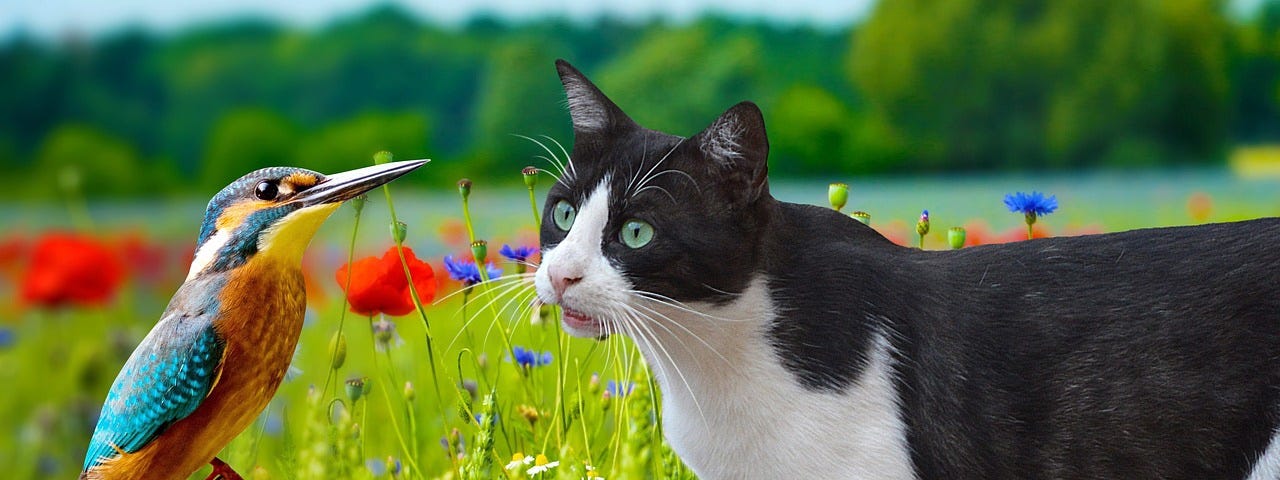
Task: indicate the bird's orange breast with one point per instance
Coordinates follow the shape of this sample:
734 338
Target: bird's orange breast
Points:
260 317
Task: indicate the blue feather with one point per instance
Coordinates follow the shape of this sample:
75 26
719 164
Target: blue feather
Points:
165 379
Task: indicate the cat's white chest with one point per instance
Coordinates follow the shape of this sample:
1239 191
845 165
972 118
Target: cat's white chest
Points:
739 414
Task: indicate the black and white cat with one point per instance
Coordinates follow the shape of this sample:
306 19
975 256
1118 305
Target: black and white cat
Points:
791 341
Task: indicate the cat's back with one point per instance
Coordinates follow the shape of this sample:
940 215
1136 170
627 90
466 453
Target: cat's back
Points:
1151 353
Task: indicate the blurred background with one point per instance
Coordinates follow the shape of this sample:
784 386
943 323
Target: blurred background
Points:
120 118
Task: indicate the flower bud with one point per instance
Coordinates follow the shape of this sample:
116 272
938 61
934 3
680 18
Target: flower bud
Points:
482 362
409 393
338 350
593 385
358 203
530 414
480 250
356 387
838 194
464 188
398 231
861 216
922 226
382 157
956 237
472 388
393 466
606 399
530 175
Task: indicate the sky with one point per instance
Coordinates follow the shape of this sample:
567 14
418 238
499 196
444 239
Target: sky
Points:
57 17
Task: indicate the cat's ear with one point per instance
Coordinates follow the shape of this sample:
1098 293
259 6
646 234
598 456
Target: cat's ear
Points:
737 145
591 111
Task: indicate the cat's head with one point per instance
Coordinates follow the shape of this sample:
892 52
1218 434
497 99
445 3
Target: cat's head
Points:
641 217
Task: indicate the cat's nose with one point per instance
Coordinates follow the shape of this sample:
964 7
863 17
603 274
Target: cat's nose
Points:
560 281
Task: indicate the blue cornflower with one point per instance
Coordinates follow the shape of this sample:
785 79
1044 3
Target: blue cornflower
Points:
376 467
466 271
1034 203
1031 206
6 337
518 254
530 358
618 389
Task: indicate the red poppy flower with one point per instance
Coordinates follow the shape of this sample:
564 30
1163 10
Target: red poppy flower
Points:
69 269
378 285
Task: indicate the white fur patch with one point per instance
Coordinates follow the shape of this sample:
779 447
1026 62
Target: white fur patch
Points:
1267 467
731 410
587 112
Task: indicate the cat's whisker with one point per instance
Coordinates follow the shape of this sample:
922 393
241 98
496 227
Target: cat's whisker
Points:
552 174
661 189
676 304
559 170
519 313
648 175
660 315
641 330
568 158
635 173
466 322
679 172
521 262
495 281
553 160
623 327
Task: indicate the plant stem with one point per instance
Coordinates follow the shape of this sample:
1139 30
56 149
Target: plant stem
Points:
346 302
426 325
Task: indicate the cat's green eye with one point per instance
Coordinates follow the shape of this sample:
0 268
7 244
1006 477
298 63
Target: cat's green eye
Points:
564 215
636 233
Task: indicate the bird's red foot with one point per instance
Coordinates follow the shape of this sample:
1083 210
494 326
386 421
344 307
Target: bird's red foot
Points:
222 471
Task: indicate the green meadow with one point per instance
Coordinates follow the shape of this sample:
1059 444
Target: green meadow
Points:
393 407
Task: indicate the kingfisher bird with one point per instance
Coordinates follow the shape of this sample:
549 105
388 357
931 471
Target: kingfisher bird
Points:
213 361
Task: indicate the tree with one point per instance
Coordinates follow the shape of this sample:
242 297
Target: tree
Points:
351 143
997 83
91 161
245 140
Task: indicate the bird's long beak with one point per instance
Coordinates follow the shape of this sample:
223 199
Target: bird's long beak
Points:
344 186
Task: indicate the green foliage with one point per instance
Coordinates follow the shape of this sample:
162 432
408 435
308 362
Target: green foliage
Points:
682 93
520 94
349 144
246 140
81 158
997 83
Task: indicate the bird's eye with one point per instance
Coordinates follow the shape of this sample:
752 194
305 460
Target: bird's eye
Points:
267 190
564 215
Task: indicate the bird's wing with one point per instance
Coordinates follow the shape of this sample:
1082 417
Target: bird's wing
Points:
165 379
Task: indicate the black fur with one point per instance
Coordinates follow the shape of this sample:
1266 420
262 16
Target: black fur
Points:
1144 354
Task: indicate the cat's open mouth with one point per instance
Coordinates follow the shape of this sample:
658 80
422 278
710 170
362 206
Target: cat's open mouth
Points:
581 324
